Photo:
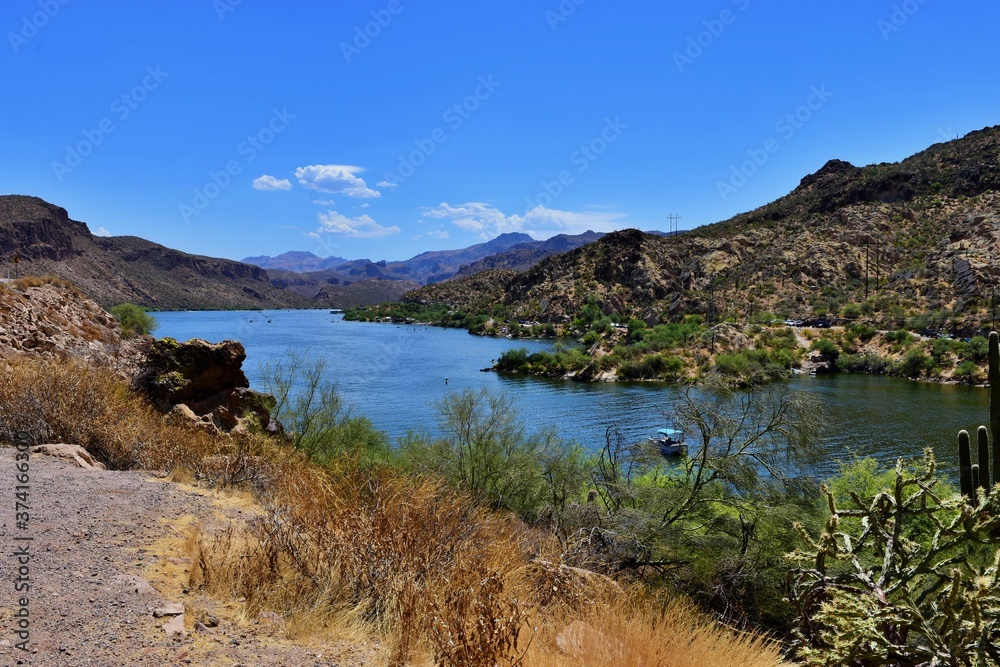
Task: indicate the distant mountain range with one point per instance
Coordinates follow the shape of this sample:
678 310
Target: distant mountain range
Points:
363 282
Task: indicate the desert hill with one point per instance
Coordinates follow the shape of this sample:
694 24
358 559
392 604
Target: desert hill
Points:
911 238
125 268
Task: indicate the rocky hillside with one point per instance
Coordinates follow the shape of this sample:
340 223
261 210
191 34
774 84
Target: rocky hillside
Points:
902 239
125 268
53 319
525 255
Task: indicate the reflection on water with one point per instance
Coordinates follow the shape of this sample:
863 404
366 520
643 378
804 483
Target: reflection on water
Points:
394 375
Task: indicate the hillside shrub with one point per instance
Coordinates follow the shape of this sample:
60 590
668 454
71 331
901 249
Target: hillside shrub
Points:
969 371
869 362
826 347
134 319
900 337
977 348
915 363
81 403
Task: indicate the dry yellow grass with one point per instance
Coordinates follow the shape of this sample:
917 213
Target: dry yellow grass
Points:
622 633
38 281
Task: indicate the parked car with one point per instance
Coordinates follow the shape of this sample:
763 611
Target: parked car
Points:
928 333
822 324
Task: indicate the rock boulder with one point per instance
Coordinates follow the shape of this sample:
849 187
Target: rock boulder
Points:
204 382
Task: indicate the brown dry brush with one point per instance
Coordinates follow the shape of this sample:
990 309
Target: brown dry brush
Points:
423 565
77 402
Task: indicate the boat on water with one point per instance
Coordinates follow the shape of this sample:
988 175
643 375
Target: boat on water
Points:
669 442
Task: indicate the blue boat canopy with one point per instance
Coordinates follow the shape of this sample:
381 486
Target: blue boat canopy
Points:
669 431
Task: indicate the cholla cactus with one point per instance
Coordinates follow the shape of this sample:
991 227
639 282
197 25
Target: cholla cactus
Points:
905 578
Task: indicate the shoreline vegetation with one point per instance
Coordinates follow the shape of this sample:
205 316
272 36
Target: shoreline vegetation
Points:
599 348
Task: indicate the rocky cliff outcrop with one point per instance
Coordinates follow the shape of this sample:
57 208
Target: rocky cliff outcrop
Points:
53 319
204 382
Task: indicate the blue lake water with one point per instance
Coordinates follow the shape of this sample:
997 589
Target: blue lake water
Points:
395 374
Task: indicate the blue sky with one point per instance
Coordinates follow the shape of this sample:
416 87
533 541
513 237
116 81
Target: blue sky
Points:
385 128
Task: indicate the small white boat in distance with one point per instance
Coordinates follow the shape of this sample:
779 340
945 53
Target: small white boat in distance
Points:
669 442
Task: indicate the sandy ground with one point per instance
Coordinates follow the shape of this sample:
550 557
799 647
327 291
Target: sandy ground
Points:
107 550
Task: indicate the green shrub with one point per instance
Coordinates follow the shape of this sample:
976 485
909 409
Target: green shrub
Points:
826 347
969 371
134 319
732 364
864 363
486 452
977 348
315 417
901 336
861 331
851 311
513 360
915 363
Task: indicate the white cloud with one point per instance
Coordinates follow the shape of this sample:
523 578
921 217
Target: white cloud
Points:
539 222
386 184
268 183
101 231
362 227
325 202
337 179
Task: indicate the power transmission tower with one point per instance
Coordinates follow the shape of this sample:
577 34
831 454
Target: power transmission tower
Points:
672 221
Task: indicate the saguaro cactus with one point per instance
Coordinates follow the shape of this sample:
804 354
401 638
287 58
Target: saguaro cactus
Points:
976 473
994 357
984 458
965 464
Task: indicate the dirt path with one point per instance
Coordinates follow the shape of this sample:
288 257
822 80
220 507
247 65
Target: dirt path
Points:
107 550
